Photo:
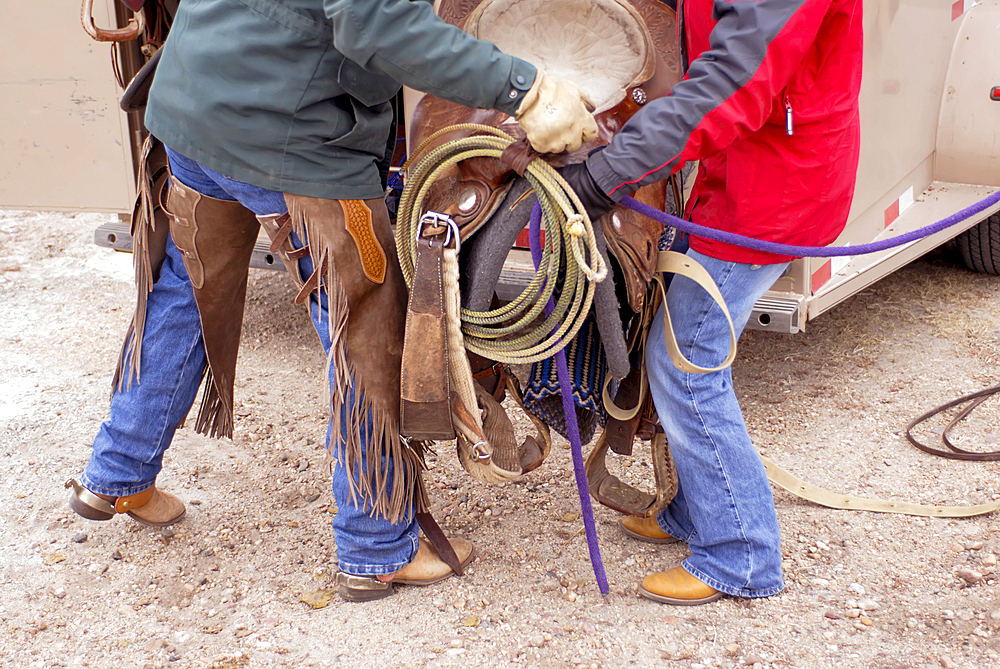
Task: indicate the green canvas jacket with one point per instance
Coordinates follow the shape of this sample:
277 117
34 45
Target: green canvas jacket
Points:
293 95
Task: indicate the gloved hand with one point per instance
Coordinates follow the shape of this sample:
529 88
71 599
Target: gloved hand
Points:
593 198
556 115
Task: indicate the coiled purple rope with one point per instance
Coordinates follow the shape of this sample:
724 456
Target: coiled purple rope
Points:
809 251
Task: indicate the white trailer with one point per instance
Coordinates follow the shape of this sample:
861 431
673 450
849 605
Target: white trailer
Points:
930 139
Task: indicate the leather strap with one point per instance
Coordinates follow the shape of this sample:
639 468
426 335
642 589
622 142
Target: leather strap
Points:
439 540
284 223
956 453
518 156
623 424
678 263
425 387
823 497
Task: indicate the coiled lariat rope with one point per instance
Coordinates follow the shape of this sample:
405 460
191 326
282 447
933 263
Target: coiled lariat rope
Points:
511 333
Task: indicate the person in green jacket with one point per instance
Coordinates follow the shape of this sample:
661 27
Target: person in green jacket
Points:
276 113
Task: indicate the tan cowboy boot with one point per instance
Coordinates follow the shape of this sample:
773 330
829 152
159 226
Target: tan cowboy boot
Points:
425 568
645 529
676 586
152 507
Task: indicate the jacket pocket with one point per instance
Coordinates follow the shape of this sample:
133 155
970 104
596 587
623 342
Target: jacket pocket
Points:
368 88
369 126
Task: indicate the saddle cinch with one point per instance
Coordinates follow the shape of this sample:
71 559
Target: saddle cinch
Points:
623 53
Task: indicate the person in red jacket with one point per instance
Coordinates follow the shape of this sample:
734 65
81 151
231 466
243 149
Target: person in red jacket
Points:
769 108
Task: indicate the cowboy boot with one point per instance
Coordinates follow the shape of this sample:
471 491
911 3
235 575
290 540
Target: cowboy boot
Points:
679 588
426 568
645 529
217 238
152 507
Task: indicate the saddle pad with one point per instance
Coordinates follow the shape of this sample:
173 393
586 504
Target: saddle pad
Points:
587 367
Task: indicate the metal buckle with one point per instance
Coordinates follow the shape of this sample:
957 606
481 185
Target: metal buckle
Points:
480 449
436 218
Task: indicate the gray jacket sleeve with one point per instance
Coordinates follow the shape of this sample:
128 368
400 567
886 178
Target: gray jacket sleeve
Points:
408 42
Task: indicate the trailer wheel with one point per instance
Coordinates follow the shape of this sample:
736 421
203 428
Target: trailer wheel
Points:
980 246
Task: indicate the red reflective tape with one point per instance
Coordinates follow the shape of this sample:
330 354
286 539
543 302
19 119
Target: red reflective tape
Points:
523 240
891 214
821 276
957 9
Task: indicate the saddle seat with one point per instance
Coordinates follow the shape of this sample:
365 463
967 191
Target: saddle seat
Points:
606 50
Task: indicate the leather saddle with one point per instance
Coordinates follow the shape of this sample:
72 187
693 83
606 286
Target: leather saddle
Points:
623 53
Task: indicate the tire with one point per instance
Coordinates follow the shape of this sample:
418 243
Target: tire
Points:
980 246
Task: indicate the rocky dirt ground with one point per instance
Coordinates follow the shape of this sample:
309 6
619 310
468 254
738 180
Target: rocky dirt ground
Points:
244 580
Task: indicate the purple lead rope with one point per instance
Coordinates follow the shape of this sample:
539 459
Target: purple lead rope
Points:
809 251
572 427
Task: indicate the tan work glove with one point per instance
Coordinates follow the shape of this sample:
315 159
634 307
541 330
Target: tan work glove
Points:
556 115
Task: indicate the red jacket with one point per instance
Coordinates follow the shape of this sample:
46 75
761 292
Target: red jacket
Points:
754 64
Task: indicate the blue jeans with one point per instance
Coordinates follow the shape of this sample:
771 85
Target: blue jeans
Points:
128 450
723 509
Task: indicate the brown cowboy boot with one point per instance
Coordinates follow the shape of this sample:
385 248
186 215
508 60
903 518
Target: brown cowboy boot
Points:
426 568
645 529
679 588
152 507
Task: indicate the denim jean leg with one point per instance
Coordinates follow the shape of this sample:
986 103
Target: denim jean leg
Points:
724 510
366 545
128 449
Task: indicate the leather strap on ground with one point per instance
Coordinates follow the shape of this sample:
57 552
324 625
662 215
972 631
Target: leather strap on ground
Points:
956 453
823 497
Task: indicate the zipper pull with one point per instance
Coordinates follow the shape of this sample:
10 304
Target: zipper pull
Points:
789 126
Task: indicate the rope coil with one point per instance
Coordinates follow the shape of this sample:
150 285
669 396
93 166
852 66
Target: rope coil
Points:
571 262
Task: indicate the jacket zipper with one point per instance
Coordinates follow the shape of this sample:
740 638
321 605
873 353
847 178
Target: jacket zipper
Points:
789 125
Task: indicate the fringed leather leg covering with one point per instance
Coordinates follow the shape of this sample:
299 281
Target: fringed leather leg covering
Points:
217 239
149 248
353 250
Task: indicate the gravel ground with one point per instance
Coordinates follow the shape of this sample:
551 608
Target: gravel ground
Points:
244 580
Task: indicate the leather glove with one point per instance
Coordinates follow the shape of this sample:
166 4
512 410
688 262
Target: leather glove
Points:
556 115
593 198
